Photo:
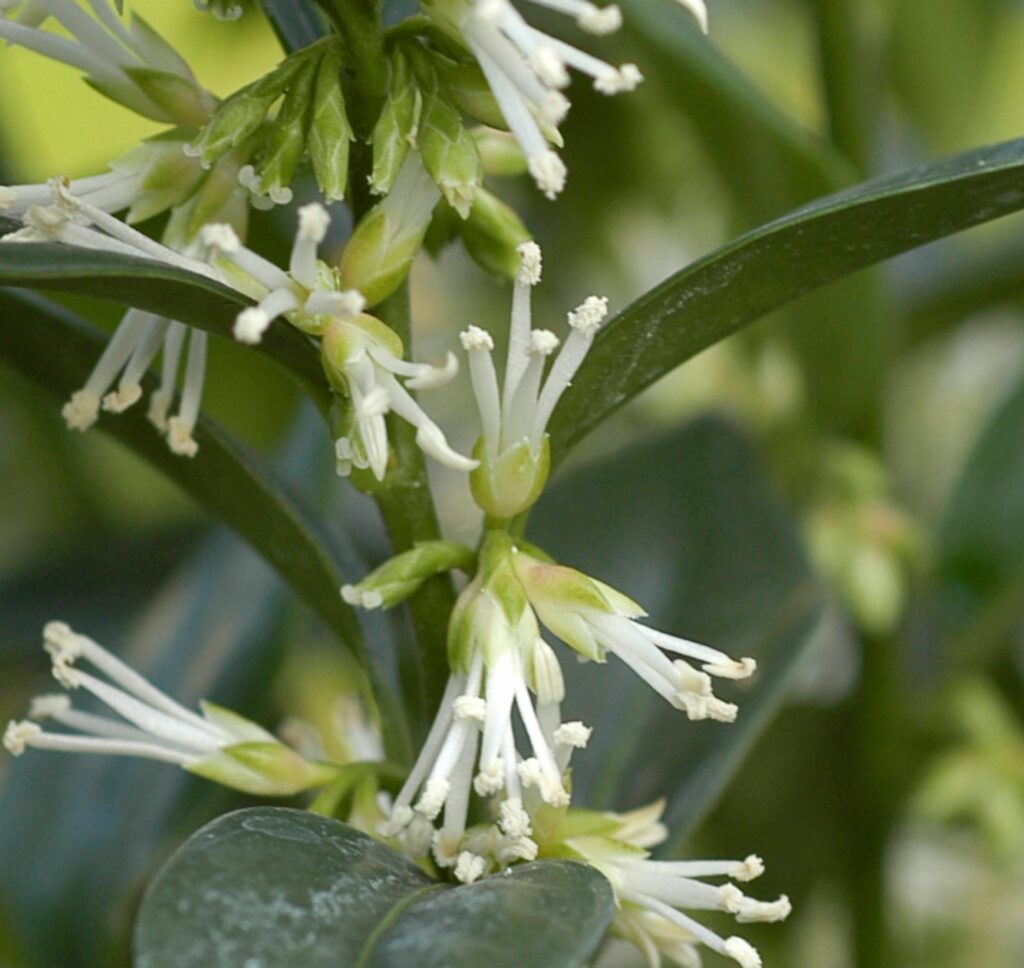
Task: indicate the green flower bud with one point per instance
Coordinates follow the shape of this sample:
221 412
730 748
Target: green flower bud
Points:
182 100
330 132
288 134
500 153
404 574
268 769
492 235
449 152
396 127
511 482
381 250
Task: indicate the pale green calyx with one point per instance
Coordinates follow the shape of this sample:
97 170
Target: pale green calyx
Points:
404 574
651 896
593 619
218 744
493 233
513 450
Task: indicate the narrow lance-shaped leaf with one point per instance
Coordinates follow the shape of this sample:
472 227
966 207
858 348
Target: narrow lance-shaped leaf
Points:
159 289
779 262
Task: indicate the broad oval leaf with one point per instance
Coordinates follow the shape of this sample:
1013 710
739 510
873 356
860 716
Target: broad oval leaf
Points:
774 264
688 525
160 289
278 887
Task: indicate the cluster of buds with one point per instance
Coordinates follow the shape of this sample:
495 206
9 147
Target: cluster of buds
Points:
128 62
219 744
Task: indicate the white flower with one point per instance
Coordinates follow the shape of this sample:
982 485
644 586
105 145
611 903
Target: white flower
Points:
108 52
358 350
218 744
471 745
514 416
594 619
651 895
139 336
527 69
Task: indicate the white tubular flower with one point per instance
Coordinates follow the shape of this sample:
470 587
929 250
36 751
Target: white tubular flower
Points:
651 895
218 744
594 619
513 449
74 220
499 660
129 63
526 69
306 294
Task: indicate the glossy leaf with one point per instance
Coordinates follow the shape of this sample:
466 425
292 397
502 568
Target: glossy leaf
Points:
772 265
159 289
280 887
56 349
297 23
79 834
689 526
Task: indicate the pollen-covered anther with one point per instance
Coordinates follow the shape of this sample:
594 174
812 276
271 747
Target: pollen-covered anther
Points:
517 848
435 792
742 952
221 237
475 338
19 735
618 80
554 107
250 325
600 20
548 171
543 342
530 264
314 221
180 439
752 867
400 818
470 707
490 779
588 316
573 734
514 820
469 867
751 911
81 411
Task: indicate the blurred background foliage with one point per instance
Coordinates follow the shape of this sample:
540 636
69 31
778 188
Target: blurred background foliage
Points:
886 412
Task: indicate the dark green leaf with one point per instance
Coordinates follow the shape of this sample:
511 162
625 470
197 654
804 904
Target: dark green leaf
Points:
689 526
159 289
981 535
57 350
297 23
281 887
775 264
79 834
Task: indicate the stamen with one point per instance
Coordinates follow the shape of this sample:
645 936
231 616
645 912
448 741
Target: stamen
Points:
179 429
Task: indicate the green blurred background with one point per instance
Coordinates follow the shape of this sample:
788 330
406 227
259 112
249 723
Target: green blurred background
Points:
886 413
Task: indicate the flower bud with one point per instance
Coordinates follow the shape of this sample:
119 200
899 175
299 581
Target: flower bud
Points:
449 152
381 250
493 233
396 127
287 139
330 132
508 484
403 575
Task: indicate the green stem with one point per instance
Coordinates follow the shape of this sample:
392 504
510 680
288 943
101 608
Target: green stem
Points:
844 68
877 755
407 507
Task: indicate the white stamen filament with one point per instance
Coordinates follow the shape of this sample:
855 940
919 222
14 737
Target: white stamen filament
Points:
179 428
